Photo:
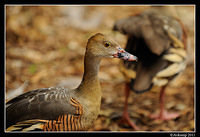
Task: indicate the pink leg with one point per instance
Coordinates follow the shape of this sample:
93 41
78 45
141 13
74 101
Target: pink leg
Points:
125 118
164 115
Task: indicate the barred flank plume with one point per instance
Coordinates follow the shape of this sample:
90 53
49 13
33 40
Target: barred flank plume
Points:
64 123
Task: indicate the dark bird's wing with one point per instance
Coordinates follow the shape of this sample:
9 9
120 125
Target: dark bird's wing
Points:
44 104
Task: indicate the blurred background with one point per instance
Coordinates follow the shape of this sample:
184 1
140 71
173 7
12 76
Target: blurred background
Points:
45 47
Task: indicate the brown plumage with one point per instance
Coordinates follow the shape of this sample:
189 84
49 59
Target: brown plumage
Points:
61 109
159 42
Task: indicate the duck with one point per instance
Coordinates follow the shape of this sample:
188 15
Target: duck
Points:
62 109
159 41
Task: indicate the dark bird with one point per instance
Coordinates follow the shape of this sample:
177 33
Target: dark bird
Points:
61 109
159 42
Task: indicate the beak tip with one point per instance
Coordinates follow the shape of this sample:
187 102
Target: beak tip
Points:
133 58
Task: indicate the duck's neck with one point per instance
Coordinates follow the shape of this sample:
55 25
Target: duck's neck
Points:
89 91
90 83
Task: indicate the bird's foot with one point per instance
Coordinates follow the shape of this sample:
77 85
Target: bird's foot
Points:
127 120
165 116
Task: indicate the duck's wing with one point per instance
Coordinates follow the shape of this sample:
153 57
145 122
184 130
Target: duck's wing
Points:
152 37
41 106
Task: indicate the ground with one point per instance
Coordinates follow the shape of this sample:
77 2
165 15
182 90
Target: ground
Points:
45 47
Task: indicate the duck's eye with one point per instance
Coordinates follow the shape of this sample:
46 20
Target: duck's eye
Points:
107 44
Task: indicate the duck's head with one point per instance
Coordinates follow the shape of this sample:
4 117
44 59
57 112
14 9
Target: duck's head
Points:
101 45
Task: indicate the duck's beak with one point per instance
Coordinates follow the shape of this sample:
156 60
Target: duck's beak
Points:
122 54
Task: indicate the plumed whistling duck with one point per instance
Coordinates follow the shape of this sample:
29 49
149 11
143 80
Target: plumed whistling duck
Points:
61 109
